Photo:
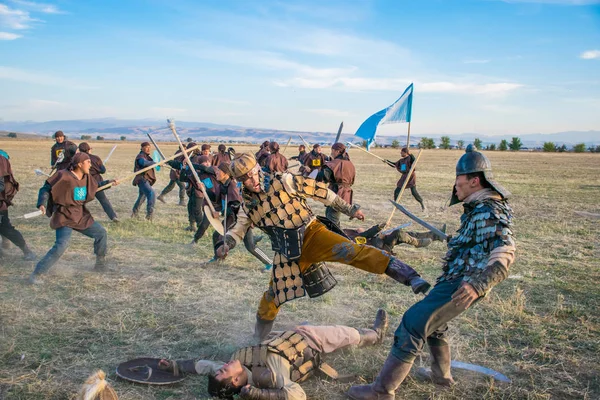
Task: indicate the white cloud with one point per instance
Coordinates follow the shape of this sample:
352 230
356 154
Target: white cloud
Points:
590 55
476 61
328 112
38 7
14 19
39 78
9 36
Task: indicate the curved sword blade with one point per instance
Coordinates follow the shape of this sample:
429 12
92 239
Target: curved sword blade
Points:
480 370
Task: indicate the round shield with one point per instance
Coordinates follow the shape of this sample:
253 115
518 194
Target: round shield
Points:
146 371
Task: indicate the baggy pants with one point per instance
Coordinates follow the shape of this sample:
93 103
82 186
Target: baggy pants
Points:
8 231
195 210
426 320
106 206
413 191
63 237
328 338
170 187
145 192
320 244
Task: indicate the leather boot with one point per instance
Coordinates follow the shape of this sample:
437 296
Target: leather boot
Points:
149 217
100 264
262 328
182 202
161 198
390 377
191 227
440 367
419 285
28 255
400 272
376 334
414 239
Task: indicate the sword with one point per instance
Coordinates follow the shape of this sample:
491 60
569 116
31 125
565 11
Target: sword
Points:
419 221
337 138
388 231
225 218
31 214
480 370
156 146
388 162
110 154
39 172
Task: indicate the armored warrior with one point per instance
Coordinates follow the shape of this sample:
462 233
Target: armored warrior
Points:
62 152
8 189
223 156
339 172
403 166
478 258
274 369
276 162
277 205
63 198
96 170
174 181
144 182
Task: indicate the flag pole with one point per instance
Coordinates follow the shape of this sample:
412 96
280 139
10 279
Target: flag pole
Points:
408 137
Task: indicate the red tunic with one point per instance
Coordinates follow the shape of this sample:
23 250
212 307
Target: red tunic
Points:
221 158
276 162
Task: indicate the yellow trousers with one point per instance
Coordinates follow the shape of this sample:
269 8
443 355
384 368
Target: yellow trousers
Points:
320 244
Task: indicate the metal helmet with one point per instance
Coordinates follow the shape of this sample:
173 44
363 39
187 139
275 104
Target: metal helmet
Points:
242 164
473 161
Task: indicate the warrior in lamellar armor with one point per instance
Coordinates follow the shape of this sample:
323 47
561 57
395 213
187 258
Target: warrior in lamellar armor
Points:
274 369
277 204
478 258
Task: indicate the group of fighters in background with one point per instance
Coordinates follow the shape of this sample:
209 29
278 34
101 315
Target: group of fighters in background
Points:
259 191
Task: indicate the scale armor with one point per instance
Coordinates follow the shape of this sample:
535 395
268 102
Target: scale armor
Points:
290 345
484 226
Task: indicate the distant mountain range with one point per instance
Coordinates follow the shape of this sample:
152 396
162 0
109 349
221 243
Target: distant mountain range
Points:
112 128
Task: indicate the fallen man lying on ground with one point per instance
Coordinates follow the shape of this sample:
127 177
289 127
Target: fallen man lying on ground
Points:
273 369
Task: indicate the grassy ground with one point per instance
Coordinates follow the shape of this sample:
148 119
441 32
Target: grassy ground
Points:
541 328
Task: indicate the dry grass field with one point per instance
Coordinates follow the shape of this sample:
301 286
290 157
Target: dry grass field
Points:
540 328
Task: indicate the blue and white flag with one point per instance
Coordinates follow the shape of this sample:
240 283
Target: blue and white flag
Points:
400 111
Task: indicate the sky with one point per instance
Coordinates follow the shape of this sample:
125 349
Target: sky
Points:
481 66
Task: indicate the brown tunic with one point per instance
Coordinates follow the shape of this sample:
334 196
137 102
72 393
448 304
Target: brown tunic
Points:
68 196
313 161
221 158
175 173
343 178
11 186
149 175
97 167
403 166
55 152
276 162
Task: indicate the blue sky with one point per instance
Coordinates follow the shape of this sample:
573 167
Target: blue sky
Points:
486 66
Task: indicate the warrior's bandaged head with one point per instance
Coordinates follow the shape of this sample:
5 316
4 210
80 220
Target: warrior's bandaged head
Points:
84 147
274 147
58 134
205 147
145 144
473 162
339 147
226 168
221 148
78 159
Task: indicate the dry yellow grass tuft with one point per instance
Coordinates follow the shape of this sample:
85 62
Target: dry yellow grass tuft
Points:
540 328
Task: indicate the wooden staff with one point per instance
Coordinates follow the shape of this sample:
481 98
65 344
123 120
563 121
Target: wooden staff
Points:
388 162
213 221
286 145
141 171
408 137
410 172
